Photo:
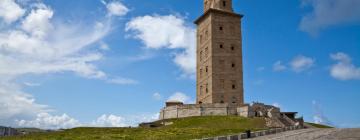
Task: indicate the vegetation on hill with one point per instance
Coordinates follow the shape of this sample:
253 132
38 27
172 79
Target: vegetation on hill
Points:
319 125
181 129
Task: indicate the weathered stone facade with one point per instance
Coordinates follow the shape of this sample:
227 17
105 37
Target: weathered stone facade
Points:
219 54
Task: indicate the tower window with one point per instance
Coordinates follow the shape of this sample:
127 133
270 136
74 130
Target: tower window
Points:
207 69
206 34
233 65
221 46
222 102
232 48
220 28
233 86
224 3
207 89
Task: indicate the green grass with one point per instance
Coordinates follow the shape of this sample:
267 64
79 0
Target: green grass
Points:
181 129
319 125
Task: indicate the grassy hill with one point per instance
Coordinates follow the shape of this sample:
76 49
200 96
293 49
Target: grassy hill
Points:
181 129
319 125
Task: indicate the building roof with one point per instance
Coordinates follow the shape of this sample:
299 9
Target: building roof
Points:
211 10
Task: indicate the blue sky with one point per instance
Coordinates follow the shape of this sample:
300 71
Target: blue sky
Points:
114 63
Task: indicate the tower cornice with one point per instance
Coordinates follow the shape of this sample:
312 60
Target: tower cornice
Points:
211 10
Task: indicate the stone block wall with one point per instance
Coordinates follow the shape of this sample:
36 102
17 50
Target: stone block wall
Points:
190 110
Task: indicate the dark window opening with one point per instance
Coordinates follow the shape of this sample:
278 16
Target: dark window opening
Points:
233 87
221 101
234 102
207 90
221 46
220 28
224 3
233 65
207 69
200 102
232 48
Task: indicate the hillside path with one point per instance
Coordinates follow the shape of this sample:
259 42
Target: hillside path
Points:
315 134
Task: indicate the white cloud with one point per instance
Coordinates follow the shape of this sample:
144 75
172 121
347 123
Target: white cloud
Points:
36 45
157 96
278 66
116 8
122 81
327 13
15 104
301 63
123 121
10 11
109 121
47 121
344 69
38 21
169 32
179 96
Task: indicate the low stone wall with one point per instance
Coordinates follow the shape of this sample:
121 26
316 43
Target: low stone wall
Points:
190 110
255 134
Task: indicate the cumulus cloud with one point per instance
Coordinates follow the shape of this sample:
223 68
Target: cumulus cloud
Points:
278 66
301 63
169 32
116 8
47 121
109 121
327 13
37 45
344 69
179 96
10 11
38 21
123 121
15 104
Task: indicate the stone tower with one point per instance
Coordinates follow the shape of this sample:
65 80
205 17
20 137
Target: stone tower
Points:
219 54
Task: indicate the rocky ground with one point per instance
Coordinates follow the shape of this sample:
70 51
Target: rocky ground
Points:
315 134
